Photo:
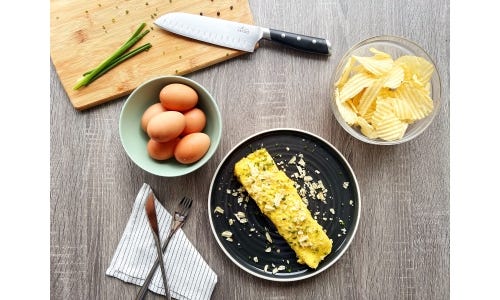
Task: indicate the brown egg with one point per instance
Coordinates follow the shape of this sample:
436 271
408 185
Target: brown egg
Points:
150 112
195 121
166 126
162 151
192 147
177 96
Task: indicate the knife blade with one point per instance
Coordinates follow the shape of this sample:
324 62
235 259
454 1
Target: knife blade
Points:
236 35
153 223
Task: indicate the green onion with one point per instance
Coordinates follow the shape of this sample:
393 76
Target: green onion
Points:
110 61
118 61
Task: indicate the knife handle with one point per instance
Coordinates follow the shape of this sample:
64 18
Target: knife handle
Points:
300 42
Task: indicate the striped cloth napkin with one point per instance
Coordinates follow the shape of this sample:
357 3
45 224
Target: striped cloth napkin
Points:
189 276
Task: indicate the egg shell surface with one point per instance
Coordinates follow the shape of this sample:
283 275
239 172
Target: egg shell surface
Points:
192 147
195 121
166 126
150 112
178 96
161 151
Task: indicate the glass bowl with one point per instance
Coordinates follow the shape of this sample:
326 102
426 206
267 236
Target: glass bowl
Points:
396 47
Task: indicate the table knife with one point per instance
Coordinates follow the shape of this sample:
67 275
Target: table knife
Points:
153 223
236 35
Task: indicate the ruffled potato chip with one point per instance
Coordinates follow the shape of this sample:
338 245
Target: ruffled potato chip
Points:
370 111
403 110
369 95
414 65
384 109
418 101
395 77
354 85
345 73
366 128
355 101
390 128
346 110
378 64
379 54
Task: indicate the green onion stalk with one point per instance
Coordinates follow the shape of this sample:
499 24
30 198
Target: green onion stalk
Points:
116 58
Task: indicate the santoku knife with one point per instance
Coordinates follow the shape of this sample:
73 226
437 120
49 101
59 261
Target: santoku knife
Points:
236 35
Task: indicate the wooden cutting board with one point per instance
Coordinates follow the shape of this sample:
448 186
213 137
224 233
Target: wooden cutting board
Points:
84 33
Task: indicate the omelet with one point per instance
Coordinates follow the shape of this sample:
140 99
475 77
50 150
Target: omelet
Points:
277 198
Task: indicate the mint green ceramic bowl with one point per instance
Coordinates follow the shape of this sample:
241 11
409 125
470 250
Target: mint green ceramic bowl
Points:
134 139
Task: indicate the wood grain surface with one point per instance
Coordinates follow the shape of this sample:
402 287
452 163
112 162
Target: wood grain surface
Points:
401 249
93 30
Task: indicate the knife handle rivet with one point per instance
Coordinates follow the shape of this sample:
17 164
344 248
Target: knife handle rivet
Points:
298 38
283 35
314 41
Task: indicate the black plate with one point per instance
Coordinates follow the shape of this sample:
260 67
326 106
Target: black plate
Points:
248 246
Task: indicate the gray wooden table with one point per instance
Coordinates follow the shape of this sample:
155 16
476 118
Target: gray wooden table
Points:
401 249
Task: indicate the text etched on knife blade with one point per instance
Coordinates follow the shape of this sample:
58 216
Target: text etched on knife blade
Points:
243 29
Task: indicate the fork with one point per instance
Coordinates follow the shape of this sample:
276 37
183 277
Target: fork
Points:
178 220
